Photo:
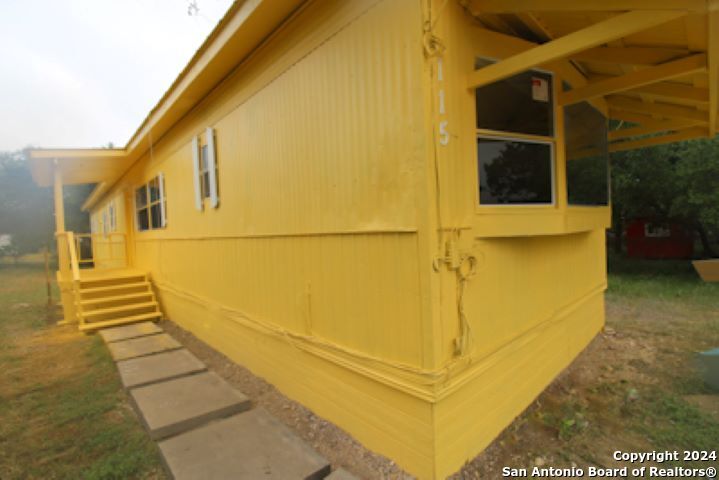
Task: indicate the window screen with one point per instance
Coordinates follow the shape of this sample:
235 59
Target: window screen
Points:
514 172
587 155
515 139
522 103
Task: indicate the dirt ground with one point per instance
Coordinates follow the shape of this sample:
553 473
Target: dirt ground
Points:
329 440
613 397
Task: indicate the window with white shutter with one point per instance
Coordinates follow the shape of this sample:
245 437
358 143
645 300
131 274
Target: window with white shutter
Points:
204 158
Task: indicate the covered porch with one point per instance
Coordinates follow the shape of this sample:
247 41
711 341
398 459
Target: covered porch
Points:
98 285
651 66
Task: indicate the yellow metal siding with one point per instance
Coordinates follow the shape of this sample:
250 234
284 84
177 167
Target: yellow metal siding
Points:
322 269
313 285
310 271
523 282
536 298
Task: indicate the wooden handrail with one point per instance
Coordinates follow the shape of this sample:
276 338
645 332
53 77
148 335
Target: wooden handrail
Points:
112 246
73 257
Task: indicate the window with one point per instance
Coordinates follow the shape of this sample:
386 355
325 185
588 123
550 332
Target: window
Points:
206 172
515 139
150 204
587 155
514 171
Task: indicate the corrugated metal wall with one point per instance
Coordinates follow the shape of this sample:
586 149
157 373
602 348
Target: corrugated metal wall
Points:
309 272
316 271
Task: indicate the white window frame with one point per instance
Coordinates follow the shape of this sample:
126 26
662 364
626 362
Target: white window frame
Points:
161 201
552 169
524 138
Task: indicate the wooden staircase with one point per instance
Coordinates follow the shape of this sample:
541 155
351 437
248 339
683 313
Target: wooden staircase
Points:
115 298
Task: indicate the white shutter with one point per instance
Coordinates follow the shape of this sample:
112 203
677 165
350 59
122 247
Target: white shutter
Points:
163 215
212 166
196 169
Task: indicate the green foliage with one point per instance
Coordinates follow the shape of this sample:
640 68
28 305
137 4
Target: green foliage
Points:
677 182
26 210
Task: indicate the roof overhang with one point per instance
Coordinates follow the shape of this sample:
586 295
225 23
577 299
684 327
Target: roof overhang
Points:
654 63
245 26
77 166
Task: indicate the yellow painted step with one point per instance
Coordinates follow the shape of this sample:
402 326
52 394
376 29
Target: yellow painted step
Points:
116 298
120 309
91 326
109 275
114 287
109 282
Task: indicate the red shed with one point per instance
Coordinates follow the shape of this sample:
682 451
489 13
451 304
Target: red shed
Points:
648 239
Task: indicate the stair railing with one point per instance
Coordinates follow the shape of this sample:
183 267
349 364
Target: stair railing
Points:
75 267
102 250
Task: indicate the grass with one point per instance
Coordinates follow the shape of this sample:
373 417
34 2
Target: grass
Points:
63 413
669 280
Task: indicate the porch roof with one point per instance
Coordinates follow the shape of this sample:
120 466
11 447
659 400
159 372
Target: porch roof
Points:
653 64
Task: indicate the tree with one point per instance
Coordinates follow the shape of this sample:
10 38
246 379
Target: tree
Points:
26 210
677 182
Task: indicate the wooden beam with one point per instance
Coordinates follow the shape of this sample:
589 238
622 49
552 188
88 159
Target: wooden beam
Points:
508 46
649 128
631 117
616 27
660 109
688 134
713 51
639 78
674 91
477 7
630 55
671 92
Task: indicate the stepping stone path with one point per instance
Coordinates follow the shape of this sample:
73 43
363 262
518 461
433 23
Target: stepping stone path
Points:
175 406
129 331
206 427
141 371
251 445
139 347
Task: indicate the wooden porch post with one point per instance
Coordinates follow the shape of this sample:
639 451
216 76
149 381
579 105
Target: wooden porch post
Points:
62 253
64 276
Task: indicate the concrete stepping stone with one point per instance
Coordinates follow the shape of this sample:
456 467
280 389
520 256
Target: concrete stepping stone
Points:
341 474
175 406
141 371
138 347
248 446
126 332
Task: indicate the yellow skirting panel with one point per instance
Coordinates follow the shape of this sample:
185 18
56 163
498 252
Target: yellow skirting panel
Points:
470 418
429 440
382 418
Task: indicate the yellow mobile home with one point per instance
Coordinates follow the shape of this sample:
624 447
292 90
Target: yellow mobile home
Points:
393 210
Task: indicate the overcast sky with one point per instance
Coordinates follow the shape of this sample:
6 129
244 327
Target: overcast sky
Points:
82 73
